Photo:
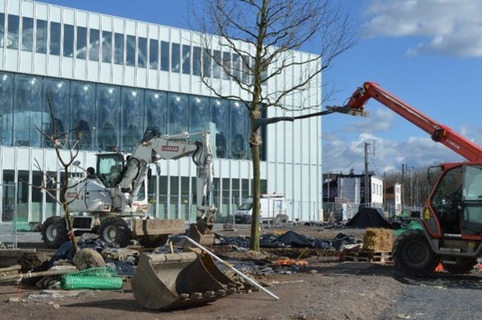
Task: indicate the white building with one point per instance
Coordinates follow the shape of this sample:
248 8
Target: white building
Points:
112 77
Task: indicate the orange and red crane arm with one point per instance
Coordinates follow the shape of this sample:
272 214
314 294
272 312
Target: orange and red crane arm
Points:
438 132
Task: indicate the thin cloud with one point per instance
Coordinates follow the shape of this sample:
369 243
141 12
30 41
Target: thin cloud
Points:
448 27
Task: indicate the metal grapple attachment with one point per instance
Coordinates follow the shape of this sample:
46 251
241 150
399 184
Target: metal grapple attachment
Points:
178 280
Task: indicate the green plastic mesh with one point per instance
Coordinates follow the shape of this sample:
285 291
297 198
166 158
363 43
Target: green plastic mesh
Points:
103 278
412 225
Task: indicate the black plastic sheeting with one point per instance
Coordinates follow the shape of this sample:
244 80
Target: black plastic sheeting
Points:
370 218
289 239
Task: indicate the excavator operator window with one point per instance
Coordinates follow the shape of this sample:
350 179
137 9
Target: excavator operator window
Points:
109 167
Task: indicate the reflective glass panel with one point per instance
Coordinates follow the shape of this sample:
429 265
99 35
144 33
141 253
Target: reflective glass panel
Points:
131 50
142 53
106 46
54 38
12 35
119 48
186 59
198 114
239 130
6 108
108 117
27 34
83 111
178 113
206 63
164 56
94 45
68 40
220 118
156 110
216 64
153 53
133 118
56 98
176 57
28 111
196 61
2 28
227 65
81 42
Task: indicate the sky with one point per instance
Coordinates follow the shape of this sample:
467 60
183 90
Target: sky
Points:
426 52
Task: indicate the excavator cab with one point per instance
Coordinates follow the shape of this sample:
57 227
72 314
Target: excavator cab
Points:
109 168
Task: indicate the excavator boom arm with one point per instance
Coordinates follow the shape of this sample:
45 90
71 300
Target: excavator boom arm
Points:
438 132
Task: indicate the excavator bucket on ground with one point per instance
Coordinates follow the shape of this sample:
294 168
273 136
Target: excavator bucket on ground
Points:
178 280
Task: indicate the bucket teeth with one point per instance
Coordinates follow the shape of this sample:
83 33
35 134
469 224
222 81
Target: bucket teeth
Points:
170 281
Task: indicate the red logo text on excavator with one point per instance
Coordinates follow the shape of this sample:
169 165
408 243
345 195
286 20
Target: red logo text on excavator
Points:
170 148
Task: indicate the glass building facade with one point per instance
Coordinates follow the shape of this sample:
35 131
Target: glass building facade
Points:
106 79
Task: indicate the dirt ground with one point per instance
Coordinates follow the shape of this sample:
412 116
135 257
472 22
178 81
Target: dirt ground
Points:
323 289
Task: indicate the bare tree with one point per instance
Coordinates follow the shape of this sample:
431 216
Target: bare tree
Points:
61 144
261 37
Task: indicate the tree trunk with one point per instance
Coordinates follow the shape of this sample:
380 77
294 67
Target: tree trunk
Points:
255 221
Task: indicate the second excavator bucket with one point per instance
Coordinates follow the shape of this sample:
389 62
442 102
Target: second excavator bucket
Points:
205 238
178 280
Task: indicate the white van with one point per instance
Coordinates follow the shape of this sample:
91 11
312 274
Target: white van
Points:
272 206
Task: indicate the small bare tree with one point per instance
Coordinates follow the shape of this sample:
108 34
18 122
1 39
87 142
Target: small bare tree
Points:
60 142
262 35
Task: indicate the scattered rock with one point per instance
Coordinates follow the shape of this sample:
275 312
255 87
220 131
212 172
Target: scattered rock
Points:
88 258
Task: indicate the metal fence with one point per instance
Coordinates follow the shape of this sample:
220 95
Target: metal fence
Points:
8 215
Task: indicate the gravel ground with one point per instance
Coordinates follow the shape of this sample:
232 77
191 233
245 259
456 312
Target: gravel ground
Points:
325 289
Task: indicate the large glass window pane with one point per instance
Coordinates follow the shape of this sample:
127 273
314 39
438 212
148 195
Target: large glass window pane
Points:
81 42
164 56
56 98
239 130
27 34
119 48
186 59
156 109
176 57
178 113
2 28
220 119
196 61
106 46
108 117
133 118
83 111
153 54
131 51
41 37
54 38
12 35
6 108
142 52
94 45
28 111
198 114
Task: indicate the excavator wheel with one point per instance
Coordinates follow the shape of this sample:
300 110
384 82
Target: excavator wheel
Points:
461 266
114 230
54 232
413 255
153 241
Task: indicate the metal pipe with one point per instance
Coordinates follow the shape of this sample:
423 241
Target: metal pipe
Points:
254 283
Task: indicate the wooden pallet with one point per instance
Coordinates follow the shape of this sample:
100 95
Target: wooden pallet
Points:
368 256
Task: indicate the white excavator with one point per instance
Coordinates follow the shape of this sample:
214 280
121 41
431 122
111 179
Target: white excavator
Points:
112 199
